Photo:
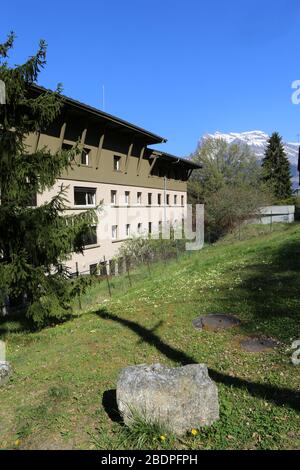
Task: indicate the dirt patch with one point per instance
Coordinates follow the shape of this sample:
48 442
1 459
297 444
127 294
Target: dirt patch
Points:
215 322
258 344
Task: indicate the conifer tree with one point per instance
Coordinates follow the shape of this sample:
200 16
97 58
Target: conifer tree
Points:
34 241
276 168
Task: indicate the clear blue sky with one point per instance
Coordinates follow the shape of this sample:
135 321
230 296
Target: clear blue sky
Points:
177 68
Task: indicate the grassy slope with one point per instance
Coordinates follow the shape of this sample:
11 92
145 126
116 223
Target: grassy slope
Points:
64 375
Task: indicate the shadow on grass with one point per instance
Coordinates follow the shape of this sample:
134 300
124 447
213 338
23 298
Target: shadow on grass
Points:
15 323
279 396
272 291
109 402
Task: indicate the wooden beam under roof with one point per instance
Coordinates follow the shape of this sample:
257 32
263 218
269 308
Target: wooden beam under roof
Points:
99 150
140 159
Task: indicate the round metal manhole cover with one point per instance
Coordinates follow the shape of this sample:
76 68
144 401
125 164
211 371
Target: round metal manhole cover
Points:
258 344
215 322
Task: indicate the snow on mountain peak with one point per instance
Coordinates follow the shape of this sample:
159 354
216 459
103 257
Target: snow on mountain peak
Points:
257 141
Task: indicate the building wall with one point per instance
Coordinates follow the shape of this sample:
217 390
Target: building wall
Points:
118 215
101 169
272 214
133 176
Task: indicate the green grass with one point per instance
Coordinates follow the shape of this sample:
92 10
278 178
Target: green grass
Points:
62 392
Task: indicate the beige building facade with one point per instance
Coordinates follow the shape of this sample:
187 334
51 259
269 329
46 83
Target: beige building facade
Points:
135 188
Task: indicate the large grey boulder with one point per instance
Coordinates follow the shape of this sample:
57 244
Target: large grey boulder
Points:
179 399
5 372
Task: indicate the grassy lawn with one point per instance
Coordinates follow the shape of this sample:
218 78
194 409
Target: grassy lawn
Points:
61 395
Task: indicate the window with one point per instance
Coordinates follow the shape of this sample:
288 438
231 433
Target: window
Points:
31 200
84 196
182 200
90 237
66 146
127 230
113 197
159 199
168 199
175 200
149 199
114 232
117 163
93 269
139 228
150 227
139 198
85 157
160 226
127 196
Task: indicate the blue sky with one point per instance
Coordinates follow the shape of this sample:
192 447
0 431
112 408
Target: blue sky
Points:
177 68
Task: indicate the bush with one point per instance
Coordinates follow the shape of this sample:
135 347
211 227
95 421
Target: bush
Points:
139 250
230 206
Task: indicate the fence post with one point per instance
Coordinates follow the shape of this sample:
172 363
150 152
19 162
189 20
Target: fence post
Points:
127 270
106 275
271 221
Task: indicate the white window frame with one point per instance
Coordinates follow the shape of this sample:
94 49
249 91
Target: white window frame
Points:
113 197
127 198
114 232
139 198
127 230
117 160
86 152
87 191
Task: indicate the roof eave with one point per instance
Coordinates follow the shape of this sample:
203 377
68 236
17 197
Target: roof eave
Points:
153 138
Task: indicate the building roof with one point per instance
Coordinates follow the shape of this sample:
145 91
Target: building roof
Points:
153 138
169 156
109 118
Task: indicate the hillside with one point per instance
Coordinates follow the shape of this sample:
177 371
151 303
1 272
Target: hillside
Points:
61 395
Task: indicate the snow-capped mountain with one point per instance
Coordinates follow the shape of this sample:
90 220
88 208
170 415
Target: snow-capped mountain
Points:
257 141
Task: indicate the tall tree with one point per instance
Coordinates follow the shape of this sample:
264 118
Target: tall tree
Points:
223 164
276 168
34 241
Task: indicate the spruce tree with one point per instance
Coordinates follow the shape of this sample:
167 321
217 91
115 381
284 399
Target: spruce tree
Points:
276 168
34 241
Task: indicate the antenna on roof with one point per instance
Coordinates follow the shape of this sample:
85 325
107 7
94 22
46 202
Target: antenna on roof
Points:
103 98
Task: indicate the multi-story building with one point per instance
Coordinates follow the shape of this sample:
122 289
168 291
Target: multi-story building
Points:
138 188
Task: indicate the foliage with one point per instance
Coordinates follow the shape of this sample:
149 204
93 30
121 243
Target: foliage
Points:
276 168
229 184
229 207
223 164
138 250
34 241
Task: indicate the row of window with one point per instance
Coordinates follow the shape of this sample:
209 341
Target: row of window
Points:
139 231
90 238
87 197
85 160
